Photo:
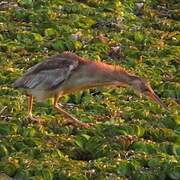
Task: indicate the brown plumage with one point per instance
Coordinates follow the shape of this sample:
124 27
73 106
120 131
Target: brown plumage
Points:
67 72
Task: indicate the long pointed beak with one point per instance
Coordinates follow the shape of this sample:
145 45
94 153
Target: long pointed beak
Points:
156 99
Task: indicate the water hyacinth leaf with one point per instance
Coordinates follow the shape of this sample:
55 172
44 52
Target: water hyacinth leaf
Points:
77 45
58 45
177 120
87 137
32 141
21 174
30 132
124 169
170 148
3 150
26 3
176 149
4 129
165 147
50 32
69 44
175 174
138 37
1 37
8 128
132 138
144 176
144 147
20 146
47 174
138 130
76 98
155 162
135 165
57 153
81 140
37 37
8 168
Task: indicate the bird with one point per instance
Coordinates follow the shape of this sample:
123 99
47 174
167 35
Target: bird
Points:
67 72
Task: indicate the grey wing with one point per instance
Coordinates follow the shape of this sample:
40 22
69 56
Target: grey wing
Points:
46 79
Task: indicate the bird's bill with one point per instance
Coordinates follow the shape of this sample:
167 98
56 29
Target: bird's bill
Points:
156 99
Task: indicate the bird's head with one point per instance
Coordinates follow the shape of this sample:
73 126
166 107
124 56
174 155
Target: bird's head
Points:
142 87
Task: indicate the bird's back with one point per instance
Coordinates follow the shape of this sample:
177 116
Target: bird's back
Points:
50 73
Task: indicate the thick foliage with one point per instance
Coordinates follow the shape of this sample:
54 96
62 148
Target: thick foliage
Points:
133 138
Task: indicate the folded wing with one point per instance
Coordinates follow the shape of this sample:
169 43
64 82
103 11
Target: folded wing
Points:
48 74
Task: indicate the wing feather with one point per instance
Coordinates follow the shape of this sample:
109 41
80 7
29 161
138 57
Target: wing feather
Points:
47 74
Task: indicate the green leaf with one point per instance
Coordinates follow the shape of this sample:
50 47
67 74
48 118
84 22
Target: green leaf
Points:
155 162
58 45
4 129
47 174
29 131
87 137
177 120
8 168
3 150
142 146
77 45
124 169
176 149
138 37
50 32
175 174
26 3
82 140
37 37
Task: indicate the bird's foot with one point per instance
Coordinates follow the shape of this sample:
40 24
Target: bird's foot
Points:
78 123
86 125
35 119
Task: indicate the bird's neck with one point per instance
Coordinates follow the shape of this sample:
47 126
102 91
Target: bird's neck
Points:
113 75
92 74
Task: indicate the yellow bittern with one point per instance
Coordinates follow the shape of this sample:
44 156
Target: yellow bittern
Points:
67 72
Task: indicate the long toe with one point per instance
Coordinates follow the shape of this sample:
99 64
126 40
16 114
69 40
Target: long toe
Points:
35 120
78 124
84 125
87 125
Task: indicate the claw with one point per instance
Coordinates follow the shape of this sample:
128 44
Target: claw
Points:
35 120
78 123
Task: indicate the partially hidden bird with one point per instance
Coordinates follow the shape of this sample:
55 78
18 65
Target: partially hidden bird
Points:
67 72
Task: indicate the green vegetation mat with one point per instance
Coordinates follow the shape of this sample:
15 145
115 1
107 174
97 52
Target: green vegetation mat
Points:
133 138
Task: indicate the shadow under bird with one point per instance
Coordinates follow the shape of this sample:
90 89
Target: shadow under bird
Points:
67 72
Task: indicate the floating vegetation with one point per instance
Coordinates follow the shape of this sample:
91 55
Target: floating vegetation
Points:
133 138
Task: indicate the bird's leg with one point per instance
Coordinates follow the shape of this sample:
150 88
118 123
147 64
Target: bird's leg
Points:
72 120
30 116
